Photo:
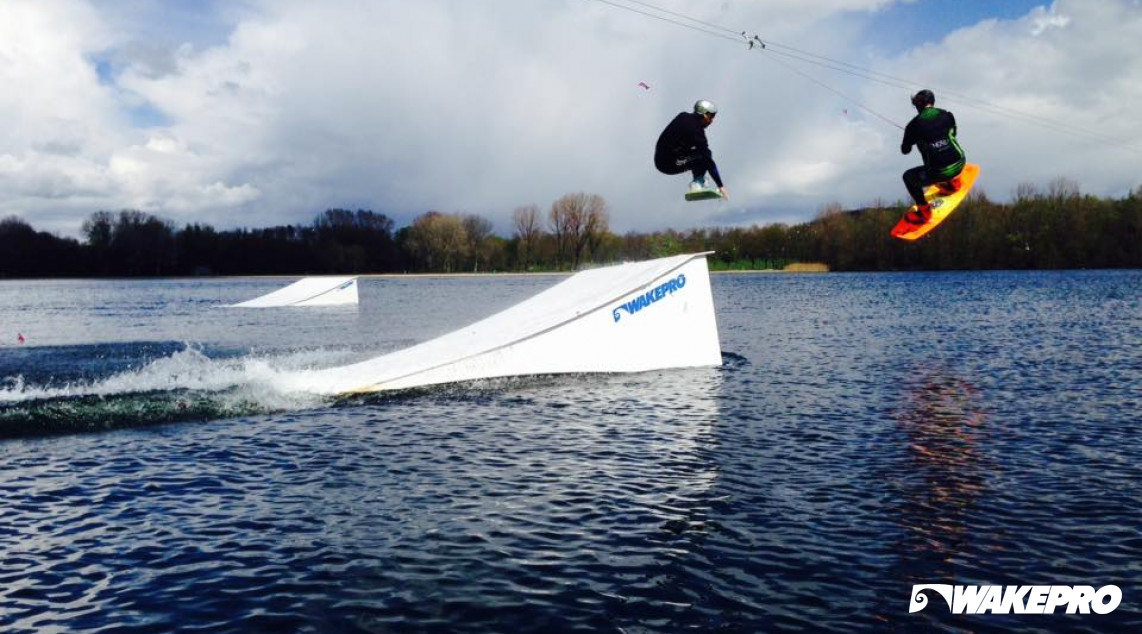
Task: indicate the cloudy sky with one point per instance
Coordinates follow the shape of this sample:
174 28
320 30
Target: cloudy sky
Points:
249 113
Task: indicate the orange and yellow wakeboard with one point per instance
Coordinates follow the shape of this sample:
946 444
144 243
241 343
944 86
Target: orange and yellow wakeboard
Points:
942 206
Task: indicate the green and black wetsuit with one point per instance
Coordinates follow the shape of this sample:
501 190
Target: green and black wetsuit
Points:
934 132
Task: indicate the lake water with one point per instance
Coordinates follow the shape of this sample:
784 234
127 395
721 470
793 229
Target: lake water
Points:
867 432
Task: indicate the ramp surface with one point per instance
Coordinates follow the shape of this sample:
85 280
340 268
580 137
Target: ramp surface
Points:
627 318
309 291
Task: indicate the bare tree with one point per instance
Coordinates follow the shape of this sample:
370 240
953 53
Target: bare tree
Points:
526 220
1025 192
578 220
598 225
560 221
1061 189
479 229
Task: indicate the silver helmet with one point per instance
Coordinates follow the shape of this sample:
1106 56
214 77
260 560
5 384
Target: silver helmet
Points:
705 107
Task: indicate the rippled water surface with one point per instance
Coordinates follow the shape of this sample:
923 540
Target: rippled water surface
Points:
866 433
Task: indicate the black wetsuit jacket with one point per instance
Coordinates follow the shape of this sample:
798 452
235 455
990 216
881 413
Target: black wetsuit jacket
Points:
934 132
684 138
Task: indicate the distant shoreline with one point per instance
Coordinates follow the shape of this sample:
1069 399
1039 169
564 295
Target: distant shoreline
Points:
787 270
808 268
543 273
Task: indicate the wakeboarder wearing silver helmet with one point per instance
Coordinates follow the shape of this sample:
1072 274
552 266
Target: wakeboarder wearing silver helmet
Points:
682 147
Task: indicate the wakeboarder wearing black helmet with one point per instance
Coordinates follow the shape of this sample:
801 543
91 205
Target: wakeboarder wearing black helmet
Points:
933 131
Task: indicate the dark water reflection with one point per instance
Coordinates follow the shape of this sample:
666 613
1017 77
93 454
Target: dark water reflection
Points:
867 433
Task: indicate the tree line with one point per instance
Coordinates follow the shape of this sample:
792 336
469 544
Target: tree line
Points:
1055 228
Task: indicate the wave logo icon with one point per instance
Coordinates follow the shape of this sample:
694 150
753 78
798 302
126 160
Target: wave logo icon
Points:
1018 599
920 601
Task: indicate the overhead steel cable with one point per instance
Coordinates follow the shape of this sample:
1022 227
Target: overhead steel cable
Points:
664 19
736 37
770 46
840 94
947 95
759 44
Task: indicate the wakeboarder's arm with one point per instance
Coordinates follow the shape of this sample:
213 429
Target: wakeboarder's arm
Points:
909 141
718 178
703 146
714 173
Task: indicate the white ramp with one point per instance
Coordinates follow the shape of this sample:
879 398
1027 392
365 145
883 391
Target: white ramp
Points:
309 291
626 318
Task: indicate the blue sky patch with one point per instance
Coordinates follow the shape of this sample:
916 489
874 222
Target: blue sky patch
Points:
906 25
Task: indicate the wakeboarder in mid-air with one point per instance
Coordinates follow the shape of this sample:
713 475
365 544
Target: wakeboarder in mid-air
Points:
933 131
683 147
944 180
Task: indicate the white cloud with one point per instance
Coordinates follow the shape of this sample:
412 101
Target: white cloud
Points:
1048 20
1065 76
483 105
58 120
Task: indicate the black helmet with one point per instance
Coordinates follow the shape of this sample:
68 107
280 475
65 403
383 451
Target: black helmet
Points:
923 98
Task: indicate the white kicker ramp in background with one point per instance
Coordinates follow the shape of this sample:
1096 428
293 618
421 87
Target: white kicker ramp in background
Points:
309 291
627 318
